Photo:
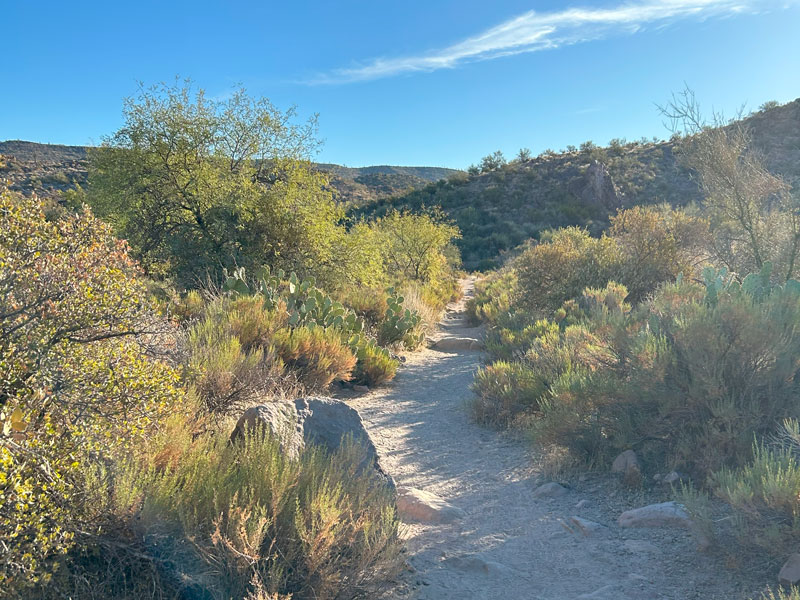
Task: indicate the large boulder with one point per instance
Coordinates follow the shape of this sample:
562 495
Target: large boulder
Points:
314 420
280 419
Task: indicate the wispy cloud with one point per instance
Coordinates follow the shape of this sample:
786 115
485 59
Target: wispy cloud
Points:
532 31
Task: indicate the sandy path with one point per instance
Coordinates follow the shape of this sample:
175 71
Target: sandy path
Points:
510 545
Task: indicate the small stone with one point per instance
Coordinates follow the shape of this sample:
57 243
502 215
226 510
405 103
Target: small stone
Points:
549 490
638 578
657 477
361 389
672 478
790 571
427 507
582 504
586 527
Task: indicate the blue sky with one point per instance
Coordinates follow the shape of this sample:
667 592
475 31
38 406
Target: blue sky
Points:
412 83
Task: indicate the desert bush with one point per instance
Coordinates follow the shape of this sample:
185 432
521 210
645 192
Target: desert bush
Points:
657 245
330 336
765 494
259 521
368 303
505 390
429 312
494 296
318 354
560 267
688 378
375 365
187 307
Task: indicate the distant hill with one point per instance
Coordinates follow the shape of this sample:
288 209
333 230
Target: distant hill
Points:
498 210
48 169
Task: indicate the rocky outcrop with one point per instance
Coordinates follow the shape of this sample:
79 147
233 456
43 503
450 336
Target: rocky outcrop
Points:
597 188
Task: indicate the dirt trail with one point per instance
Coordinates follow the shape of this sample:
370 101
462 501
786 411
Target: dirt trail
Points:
510 545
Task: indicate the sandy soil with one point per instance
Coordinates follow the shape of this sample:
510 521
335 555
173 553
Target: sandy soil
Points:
510 545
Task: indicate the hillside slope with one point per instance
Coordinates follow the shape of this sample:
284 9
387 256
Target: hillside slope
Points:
49 169
500 209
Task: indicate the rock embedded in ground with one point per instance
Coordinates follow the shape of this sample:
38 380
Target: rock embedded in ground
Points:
586 527
454 344
664 514
478 564
425 507
361 389
790 571
549 490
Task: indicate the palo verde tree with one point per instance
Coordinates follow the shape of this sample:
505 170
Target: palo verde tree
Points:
196 185
752 214
413 245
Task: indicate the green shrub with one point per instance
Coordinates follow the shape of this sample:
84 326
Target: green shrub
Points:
76 385
687 378
559 268
765 494
318 354
375 366
505 391
368 303
494 296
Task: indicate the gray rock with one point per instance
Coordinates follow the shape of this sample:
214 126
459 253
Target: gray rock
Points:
279 419
318 421
361 389
478 564
664 514
790 571
586 527
607 592
674 478
582 504
597 187
549 490
425 507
